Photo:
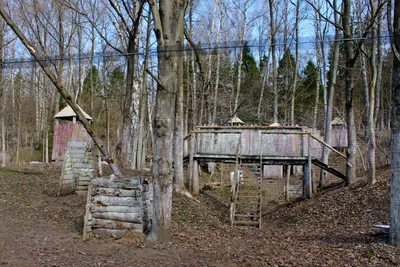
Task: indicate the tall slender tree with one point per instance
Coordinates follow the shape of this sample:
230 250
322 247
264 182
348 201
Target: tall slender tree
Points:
394 235
168 28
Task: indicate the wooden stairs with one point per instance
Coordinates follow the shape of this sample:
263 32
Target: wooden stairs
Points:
247 200
328 168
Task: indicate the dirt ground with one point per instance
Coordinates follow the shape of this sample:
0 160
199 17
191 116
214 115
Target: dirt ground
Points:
37 228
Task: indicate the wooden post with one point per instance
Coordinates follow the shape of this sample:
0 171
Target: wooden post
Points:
222 176
287 182
195 181
195 172
307 189
313 182
192 151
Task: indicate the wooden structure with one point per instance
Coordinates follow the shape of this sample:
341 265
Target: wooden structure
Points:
339 133
67 129
117 207
260 146
77 171
236 121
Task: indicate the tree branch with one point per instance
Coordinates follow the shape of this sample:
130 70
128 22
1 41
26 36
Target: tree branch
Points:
158 30
196 52
324 17
68 98
389 23
156 79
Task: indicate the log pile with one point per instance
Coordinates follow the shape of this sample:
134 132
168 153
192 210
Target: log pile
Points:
115 208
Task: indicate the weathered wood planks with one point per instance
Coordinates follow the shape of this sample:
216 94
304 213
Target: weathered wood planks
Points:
117 207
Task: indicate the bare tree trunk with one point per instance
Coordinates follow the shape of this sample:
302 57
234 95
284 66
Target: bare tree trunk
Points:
188 96
179 185
193 69
331 90
394 235
274 62
320 59
132 99
264 82
144 106
221 23
349 84
130 107
364 79
178 133
242 37
167 29
371 106
295 72
379 69
208 109
3 97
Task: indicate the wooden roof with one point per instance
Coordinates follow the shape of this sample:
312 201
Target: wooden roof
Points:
67 112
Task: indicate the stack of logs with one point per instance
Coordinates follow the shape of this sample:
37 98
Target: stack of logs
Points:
115 208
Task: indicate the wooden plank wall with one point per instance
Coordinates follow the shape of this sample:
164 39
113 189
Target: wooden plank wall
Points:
65 133
268 141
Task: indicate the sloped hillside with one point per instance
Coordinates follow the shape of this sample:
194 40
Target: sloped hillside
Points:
333 229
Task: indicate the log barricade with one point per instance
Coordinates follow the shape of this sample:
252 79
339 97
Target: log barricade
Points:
115 208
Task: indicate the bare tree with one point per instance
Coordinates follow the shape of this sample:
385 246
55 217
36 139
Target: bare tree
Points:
332 82
3 97
394 235
168 28
38 56
295 71
242 37
217 72
272 7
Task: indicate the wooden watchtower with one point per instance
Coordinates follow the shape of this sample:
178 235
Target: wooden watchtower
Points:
67 129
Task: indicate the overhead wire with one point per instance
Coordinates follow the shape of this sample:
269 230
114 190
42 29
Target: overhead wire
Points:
255 43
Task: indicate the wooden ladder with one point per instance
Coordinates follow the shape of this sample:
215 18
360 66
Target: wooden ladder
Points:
247 201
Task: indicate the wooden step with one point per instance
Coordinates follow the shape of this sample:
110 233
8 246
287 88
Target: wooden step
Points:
247 202
248 196
247 215
250 223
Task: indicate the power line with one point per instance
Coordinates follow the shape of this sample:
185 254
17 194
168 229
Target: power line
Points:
214 48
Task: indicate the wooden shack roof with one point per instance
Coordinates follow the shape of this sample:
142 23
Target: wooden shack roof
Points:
67 112
235 120
337 121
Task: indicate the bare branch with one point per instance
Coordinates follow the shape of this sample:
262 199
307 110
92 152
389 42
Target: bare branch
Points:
196 52
102 36
324 17
158 30
68 98
156 79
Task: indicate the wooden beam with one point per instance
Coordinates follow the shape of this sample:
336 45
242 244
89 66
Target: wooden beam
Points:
250 127
222 132
328 146
277 132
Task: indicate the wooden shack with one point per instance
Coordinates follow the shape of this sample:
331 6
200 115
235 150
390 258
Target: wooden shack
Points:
339 133
67 129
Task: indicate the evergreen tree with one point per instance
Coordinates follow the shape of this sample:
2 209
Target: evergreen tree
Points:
92 82
306 93
250 84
